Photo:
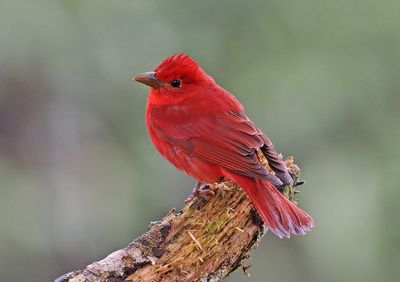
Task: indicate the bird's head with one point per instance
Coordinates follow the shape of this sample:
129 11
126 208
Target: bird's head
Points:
175 74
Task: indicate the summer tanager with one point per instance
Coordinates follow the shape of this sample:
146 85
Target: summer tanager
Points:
202 129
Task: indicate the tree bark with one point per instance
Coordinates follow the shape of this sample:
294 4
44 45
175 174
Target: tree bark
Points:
206 241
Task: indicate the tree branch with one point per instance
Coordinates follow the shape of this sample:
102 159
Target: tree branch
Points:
206 241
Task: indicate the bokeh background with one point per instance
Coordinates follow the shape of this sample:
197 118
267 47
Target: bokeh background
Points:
79 177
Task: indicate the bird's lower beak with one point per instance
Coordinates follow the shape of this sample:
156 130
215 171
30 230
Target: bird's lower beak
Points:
148 78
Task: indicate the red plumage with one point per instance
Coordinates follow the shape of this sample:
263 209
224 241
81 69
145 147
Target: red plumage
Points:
201 129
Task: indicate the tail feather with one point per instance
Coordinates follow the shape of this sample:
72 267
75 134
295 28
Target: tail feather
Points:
279 214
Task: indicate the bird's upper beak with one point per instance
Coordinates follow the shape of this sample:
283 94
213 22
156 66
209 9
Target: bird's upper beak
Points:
148 78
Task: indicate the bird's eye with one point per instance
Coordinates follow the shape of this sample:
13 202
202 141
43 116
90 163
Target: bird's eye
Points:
175 83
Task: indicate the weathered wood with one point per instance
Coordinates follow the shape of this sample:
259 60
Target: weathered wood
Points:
206 241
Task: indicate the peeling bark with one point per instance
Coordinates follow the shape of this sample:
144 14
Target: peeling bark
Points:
206 241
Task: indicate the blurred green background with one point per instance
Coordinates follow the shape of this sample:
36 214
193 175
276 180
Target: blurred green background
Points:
79 177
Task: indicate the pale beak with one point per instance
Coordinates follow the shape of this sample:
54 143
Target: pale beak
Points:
148 78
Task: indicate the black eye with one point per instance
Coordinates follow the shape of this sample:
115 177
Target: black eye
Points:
175 83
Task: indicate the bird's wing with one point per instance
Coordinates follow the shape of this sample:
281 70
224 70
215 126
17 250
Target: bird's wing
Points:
228 140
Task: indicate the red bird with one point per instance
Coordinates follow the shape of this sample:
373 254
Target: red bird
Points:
202 129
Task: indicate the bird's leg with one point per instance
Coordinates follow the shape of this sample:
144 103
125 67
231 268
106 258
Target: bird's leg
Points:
200 190
196 189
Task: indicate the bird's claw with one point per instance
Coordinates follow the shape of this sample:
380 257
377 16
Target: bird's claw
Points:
200 190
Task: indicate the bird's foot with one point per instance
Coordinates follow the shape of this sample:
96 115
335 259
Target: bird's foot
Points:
200 190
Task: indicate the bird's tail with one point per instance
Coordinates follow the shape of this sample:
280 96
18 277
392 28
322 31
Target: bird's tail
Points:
279 214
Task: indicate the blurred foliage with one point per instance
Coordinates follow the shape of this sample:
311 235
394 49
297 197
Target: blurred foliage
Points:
79 177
